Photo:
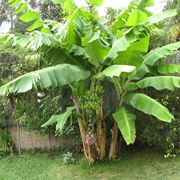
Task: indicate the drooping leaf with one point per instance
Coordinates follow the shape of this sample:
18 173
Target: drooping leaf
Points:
54 76
159 17
126 123
149 106
168 68
51 121
63 118
60 119
162 52
115 70
160 82
33 41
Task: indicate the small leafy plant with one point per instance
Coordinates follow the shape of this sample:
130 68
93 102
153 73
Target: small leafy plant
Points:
68 158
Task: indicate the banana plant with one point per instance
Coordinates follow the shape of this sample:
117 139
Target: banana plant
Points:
82 53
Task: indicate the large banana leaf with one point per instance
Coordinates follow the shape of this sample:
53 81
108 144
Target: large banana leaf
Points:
132 56
115 70
33 41
96 52
136 36
162 52
60 119
163 15
54 76
168 68
149 106
121 44
123 17
126 124
136 18
160 82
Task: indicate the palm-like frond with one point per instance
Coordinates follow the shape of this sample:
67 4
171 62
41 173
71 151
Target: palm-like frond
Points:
55 76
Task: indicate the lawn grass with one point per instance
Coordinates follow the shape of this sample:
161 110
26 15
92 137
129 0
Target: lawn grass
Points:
132 165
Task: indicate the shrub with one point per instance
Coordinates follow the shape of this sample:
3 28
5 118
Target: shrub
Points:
163 136
5 143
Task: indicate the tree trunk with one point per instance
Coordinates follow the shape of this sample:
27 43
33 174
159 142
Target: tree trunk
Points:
88 152
83 132
114 142
101 134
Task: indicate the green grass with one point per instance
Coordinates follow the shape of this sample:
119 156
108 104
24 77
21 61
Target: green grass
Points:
132 165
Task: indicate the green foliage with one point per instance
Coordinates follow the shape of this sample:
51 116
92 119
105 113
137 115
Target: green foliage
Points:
149 106
126 124
159 53
160 135
136 18
164 15
168 68
56 76
34 110
60 120
159 38
68 158
6 143
115 70
160 82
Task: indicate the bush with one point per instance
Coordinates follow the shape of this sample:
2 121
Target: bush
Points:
5 143
162 136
